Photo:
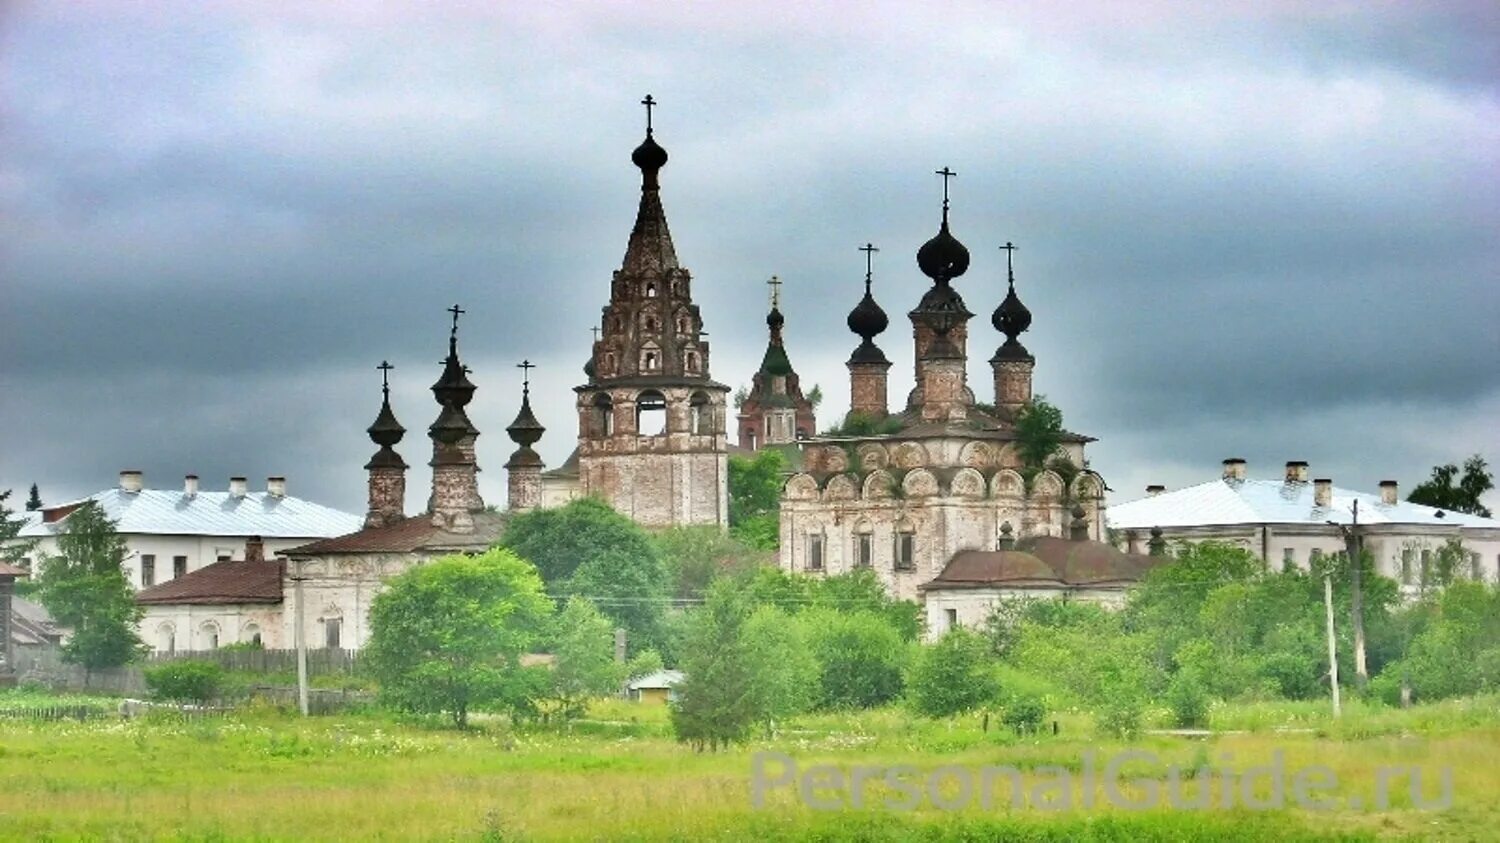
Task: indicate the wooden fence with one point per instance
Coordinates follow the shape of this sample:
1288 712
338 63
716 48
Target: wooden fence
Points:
319 661
56 712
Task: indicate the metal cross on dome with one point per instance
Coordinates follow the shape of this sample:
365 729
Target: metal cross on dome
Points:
869 249
946 174
775 285
649 102
526 366
456 311
1010 252
385 368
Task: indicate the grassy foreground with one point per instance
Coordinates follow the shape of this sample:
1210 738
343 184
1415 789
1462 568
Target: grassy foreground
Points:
265 775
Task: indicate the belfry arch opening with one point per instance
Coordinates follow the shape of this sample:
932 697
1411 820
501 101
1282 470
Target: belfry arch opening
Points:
701 413
651 413
603 415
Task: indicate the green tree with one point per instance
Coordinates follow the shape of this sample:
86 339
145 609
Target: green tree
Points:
861 658
755 498
447 636
85 589
34 502
782 667
1039 432
815 396
716 702
630 588
557 541
861 590
693 557
584 666
953 676
1463 496
12 547
185 681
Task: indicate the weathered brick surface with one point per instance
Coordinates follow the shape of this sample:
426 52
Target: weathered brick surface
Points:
1012 383
867 388
387 496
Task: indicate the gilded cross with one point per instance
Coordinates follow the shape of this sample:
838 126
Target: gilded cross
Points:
649 102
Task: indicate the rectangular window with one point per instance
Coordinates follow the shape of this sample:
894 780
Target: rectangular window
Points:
179 567
331 633
952 618
905 551
815 553
1476 572
1426 572
148 570
864 550
1288 558
1406 558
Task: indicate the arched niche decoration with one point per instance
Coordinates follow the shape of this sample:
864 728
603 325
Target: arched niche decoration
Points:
840 487
1009 456
834 459
873 457
919 483
908 455
1007 483
1047 485
801 487
977 455
967 483
878 485
1088 486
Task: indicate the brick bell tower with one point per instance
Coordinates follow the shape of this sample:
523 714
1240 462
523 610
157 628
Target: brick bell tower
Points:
651 423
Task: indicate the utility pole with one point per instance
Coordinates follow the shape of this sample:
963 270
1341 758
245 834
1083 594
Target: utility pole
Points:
1354 550
300 638
1333 654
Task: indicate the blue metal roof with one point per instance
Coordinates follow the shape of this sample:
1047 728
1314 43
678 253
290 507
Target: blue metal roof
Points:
171 512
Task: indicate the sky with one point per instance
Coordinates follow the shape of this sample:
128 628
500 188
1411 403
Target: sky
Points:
1263 230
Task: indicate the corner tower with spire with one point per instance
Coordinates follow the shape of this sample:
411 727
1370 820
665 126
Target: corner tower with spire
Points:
651 422
775 411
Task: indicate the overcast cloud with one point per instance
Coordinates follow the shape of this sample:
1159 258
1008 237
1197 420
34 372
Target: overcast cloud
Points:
1270 232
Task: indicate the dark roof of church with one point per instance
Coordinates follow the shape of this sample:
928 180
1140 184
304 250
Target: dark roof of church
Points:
415 534
220 583
1047 562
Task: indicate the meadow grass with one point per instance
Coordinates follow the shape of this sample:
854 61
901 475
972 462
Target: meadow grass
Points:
262 774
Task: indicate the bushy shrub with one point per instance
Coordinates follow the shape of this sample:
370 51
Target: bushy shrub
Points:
1120 718
861 658
185 681
953 675
1024 713
1188 700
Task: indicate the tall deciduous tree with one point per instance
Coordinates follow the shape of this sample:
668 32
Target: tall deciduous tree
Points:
716 701
584 665
447 636
557 541
1443 492
693 557
784 672
84 587
631 589
755 498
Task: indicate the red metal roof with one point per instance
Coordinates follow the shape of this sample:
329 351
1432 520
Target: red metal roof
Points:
221 583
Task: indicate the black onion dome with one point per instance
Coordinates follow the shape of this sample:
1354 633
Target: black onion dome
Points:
525 430
649 155
867 319
451 426
386 431
1011 318
943 258
774 319
589 370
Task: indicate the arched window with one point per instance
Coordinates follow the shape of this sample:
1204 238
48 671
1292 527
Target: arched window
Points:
251 634
864 545
682 325
904 548
208 636
604 415
650 290
701 413
651 413
690 361
166 638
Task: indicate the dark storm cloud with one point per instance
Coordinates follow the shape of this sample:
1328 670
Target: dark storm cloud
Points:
1266 231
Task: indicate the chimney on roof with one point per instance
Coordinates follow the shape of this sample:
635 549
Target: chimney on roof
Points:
1296 471
1323 493
276 487
1234 469
1389 494
130 480
1155 489
255 549
190 486
237 487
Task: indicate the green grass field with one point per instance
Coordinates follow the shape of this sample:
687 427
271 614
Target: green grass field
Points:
261 774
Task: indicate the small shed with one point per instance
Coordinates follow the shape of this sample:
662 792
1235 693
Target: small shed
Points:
659 687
